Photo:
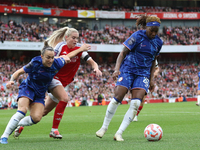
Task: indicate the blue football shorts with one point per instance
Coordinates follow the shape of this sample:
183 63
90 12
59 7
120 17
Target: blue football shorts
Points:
132 81
25 91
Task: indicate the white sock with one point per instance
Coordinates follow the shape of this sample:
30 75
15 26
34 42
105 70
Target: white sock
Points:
130 114
54 129
111 109
26 121
198 99
12 124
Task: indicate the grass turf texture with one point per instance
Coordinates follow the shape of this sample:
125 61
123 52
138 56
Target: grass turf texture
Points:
179 121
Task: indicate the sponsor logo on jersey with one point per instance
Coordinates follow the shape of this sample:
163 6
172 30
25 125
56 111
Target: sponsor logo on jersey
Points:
74 59
40 71
141 45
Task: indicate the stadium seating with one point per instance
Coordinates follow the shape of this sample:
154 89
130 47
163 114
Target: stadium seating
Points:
33 32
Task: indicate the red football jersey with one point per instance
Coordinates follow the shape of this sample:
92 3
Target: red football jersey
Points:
67 73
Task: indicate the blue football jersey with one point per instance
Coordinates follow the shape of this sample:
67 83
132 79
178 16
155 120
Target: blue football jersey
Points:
39 77
142 52
199 81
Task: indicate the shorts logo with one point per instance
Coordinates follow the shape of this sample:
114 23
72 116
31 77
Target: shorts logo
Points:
27 92
146 81
120 79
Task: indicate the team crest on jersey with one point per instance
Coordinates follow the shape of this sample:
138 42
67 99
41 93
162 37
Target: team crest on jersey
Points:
131 41
120 79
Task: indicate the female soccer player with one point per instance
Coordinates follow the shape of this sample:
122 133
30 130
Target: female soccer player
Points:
41 71
134 68
63 41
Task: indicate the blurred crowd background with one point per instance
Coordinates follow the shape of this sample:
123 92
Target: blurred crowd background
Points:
173 81
33 32
178 78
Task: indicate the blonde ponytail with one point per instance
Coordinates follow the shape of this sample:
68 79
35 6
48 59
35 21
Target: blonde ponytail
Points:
57 36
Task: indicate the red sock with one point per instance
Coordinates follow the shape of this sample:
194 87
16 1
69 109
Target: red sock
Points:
139 109
60 108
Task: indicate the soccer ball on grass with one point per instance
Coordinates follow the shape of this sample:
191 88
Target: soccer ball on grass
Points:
153 132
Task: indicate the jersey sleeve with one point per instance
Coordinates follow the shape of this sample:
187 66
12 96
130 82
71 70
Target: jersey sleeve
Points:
159 46
29 67
131 42
58 48
60 62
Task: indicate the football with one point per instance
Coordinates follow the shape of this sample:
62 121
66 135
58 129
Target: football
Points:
153 132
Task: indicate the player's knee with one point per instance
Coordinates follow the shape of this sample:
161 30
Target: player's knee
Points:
65 99
23 109
135 103
36 118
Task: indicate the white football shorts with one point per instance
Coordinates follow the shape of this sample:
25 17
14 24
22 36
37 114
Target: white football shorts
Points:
53 84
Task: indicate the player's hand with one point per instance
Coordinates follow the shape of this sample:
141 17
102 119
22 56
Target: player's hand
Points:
98 72
66 58
9 84
151 86
115 74
86 47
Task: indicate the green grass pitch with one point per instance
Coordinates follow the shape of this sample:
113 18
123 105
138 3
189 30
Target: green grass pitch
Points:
180 123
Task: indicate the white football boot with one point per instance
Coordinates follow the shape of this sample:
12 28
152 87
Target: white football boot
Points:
135 119
118 137
100 133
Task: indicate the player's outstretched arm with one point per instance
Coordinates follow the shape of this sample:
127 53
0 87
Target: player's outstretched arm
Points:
95 67
14 77
84 47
